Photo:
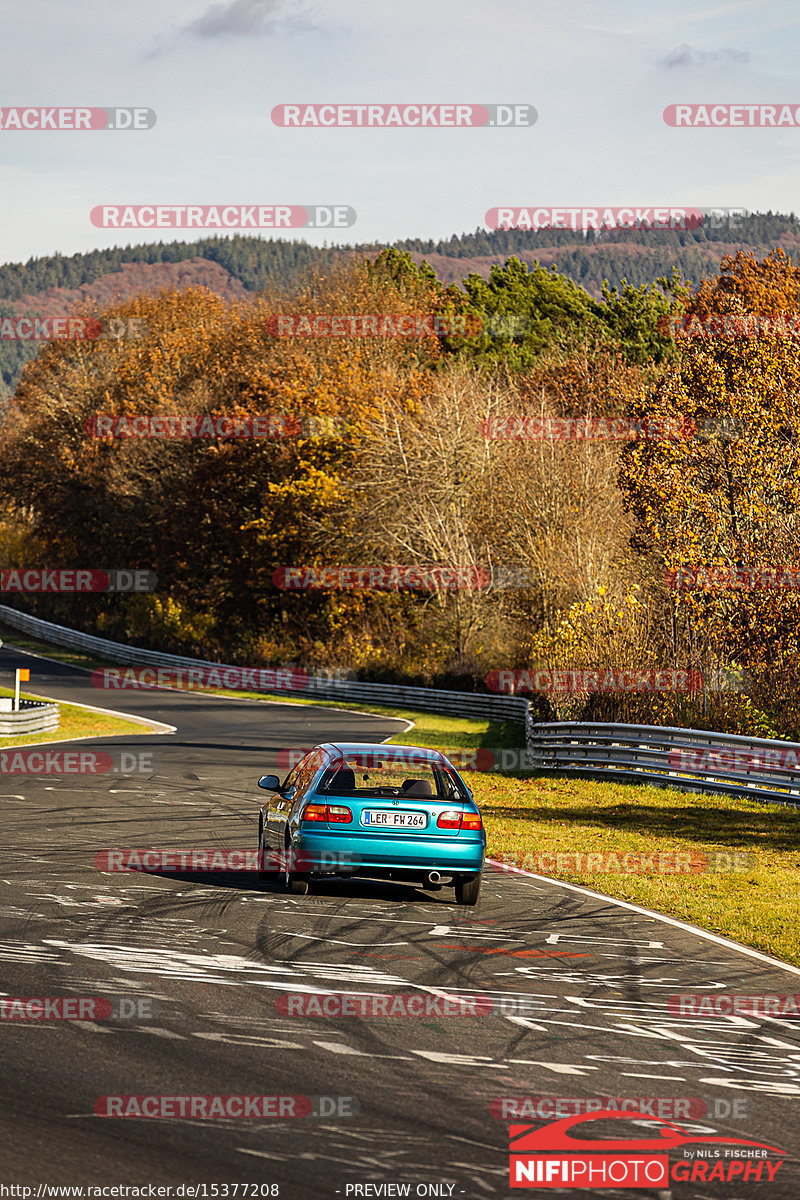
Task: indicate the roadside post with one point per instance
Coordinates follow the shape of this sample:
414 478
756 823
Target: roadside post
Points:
22 674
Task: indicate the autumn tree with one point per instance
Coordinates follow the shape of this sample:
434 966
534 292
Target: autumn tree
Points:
213 517
725 495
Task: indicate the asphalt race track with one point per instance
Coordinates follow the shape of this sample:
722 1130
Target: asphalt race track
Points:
579 985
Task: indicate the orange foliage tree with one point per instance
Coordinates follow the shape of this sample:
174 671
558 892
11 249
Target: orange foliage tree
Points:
726 494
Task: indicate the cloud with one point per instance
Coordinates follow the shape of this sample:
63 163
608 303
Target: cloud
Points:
239 18
686 56
244 18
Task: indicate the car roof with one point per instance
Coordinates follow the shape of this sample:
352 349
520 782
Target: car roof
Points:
421 753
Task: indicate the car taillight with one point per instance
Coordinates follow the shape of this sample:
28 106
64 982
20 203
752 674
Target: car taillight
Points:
336 813
455 818
339 814
315 812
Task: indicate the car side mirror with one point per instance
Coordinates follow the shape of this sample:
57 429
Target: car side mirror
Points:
271 783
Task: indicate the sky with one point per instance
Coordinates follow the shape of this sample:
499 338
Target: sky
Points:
598 74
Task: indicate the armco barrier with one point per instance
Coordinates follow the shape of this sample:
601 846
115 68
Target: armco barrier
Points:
34 716
694 760
464 704
631 753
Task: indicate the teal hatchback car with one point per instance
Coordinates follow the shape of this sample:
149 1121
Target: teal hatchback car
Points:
388 812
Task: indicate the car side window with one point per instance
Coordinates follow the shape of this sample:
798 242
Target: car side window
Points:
447 786
306 770
291 778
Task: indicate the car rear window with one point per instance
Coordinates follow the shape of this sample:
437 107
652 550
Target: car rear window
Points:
375 776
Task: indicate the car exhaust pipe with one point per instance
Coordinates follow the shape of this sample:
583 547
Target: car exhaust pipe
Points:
433 877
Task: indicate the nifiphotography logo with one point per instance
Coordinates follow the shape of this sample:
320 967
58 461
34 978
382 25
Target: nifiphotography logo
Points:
551 1157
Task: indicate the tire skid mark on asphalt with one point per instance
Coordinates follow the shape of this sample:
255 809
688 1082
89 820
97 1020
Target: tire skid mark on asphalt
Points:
353 1139
158 1031
357 1142
337 941
764 1061
111 986
512 953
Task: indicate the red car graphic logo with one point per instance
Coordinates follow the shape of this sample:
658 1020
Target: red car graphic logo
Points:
554 1138
551 1157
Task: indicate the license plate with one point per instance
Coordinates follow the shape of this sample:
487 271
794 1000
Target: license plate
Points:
393 820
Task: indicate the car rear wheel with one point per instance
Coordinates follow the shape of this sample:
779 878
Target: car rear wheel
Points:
468 890
294 882
296 885
263 855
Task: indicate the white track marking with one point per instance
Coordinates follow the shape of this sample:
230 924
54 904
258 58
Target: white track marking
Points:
648 912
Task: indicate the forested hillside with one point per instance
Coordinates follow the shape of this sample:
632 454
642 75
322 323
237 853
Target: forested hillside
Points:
435 452
228 266
61 283
640 256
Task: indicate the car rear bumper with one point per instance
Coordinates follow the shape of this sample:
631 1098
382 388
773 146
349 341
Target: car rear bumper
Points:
348 854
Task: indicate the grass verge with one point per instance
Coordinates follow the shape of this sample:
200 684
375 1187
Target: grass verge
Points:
753 899
74 723
757 904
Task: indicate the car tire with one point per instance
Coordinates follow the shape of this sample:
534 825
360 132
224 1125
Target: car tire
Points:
468 890
263 855
295 883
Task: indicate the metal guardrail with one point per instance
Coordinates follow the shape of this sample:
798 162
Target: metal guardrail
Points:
695 760
33 716
464 704
732 765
